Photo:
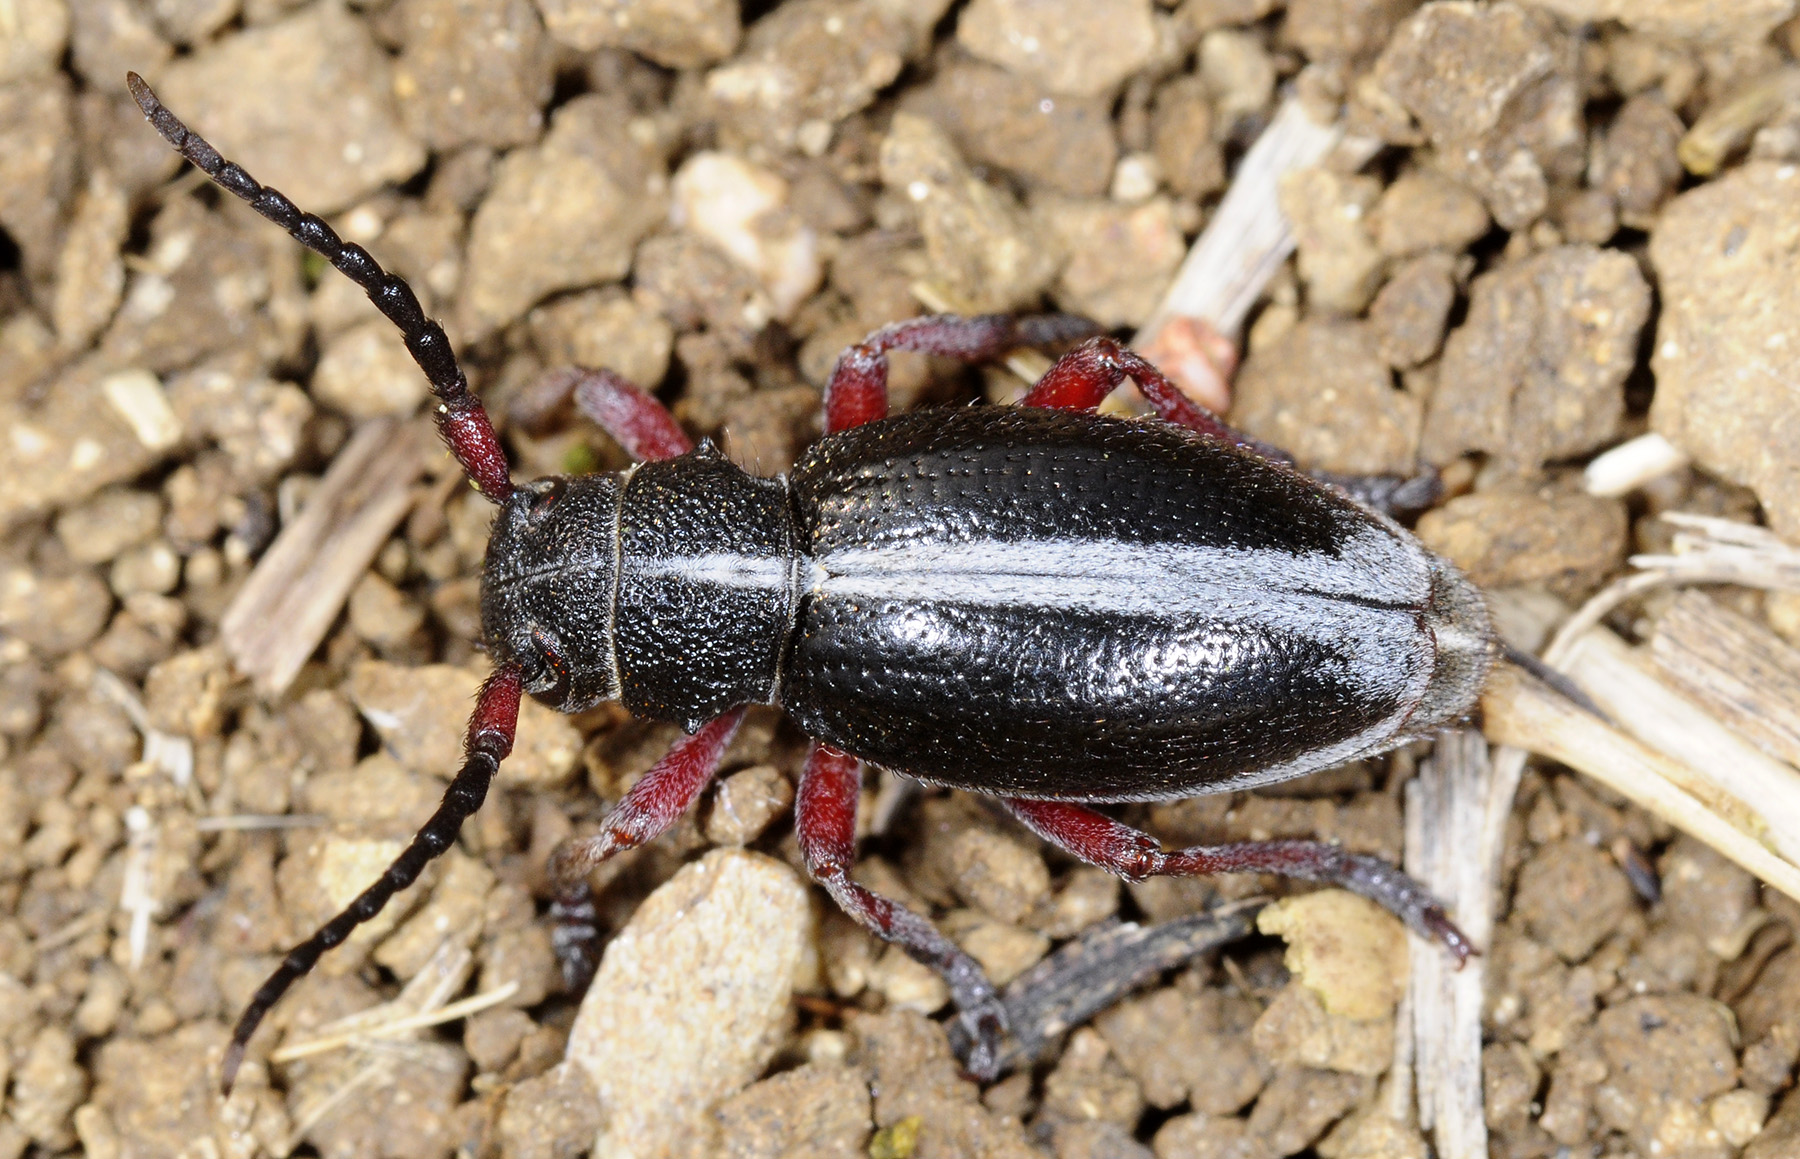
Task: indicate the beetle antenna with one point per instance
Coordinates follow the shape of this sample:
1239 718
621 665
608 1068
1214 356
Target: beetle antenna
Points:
491 732
461 420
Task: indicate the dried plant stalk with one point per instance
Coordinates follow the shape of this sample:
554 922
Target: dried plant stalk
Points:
284 609
1745 674
1448 849
1519 711
1248 238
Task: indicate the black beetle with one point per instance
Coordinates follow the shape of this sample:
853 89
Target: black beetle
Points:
1036 603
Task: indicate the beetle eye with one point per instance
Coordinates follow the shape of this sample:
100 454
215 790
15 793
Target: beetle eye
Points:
546 671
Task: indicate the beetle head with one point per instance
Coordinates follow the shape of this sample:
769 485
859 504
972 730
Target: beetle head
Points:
548 586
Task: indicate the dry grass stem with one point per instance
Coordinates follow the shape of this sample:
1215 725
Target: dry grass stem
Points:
289 602
1446 819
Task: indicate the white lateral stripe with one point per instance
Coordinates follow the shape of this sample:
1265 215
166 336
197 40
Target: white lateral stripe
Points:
717 569
1128 578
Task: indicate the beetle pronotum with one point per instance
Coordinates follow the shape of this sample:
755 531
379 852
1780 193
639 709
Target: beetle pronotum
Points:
1037 603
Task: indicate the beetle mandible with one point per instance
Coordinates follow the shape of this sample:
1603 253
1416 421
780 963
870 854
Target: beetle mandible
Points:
1037 603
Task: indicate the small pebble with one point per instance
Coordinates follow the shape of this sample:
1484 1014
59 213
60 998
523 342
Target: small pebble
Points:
742 208
365 372
745 803
673 33
1079 47
690 999
811 1112
105 525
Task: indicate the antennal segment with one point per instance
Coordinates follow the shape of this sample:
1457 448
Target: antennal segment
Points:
461 419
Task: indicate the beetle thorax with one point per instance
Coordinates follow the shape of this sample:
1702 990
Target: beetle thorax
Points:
671 587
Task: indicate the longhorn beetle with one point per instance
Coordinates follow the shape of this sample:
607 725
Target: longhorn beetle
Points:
1035 602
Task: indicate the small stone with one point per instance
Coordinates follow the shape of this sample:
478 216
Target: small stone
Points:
1781 1134
1739 1115
1299 1104
690 1000
158 1093
1665 1054
743 209
109 36
55 615
979 242
35 40
996 873
1343 31
811 1112
1345 948
1572 896
1121 257
90 273
1495 89
106 525
564 214
764 431
1728 335
1636 162
1003 950
1338 259
1424 210
906 984
1091 894
604 329
1239 72
65 449
523 958
151 567
1089 1085
1080 47
186 693
47 1087
1203 1136
1181 1046
919 1094
38 140
1322 393
1298 1028
1536 373
808 65
1184 138
1708 896
745 803
492 1038
1742 22
554 1115
365 372
1510 1080
322 60
260 424
673 33
998 118
1554 535
1409 313
472 72
382 614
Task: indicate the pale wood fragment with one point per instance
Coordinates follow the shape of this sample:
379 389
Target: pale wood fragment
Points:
283 611
1744 673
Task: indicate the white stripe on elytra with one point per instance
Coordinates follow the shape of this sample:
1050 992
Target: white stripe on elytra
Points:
1158 580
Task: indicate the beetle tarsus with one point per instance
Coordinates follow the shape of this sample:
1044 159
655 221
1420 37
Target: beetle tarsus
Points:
575 935
1134 855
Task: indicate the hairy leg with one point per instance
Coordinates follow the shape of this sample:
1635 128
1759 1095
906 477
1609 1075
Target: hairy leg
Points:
654 803
825 822
857 392
1135 856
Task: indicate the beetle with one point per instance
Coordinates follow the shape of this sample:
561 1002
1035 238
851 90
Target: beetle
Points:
1037 603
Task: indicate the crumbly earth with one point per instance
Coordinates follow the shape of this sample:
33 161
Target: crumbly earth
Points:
1576 232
